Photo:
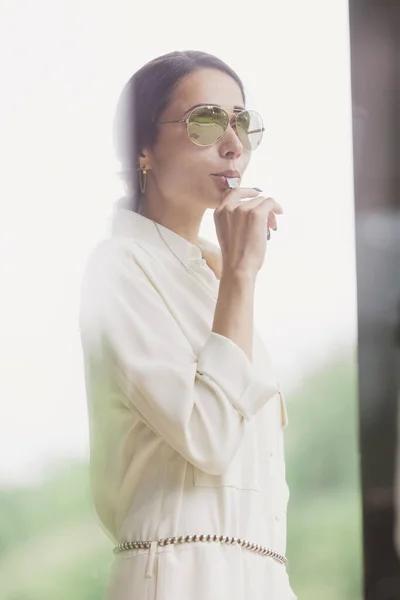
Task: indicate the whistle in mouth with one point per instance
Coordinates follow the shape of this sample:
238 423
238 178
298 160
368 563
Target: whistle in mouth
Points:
233 182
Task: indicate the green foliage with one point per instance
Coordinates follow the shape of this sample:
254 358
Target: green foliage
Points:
51 542
322 437
52 546
322 466
28 512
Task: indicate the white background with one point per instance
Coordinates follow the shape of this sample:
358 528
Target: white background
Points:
62 68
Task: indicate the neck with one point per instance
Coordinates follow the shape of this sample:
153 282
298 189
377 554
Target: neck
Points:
187 225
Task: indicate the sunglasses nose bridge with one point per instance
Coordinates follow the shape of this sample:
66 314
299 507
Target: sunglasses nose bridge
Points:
232 124
230 119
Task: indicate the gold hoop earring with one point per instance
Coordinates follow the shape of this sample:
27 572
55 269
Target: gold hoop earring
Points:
142 179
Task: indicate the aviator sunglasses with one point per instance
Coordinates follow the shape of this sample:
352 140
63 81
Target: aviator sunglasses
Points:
207 123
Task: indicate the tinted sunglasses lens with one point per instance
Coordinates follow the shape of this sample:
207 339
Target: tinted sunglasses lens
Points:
249 126
207 125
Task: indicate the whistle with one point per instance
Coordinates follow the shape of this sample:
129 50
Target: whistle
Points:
233 182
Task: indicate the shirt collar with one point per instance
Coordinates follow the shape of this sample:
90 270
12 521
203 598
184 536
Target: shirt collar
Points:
126 222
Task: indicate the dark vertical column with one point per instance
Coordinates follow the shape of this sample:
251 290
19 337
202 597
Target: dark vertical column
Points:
375 70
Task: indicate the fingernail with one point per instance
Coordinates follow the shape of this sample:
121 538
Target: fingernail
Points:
257 189
275 228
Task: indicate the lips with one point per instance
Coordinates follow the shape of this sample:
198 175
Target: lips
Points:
223 180
228 174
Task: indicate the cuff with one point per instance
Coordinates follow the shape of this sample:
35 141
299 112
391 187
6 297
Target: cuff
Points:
228 366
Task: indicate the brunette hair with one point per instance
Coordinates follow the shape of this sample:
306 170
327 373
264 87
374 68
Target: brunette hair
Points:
143 99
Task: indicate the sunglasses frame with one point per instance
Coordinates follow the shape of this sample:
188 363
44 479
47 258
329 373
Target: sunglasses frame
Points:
236 114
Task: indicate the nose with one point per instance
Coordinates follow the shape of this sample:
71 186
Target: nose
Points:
230 143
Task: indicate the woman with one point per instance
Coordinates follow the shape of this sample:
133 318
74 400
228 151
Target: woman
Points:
186 415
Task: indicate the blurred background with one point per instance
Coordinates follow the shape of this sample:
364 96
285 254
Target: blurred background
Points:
63 67
375 73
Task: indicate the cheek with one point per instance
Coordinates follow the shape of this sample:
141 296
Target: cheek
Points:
180 165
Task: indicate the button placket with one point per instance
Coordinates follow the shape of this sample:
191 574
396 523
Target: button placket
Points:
276 459
274 446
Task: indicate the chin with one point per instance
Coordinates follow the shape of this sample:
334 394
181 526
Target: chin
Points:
212 203
214 198
208 197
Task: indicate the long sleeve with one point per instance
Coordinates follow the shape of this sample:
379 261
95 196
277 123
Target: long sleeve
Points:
200 405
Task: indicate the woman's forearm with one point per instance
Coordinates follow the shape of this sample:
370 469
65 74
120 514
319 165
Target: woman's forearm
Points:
234 312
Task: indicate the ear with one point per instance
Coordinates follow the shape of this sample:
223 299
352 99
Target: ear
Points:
145 160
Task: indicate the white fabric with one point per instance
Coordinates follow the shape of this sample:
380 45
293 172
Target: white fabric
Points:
186 434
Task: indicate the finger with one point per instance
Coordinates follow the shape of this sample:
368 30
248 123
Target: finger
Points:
272 220
267 204
260 196
237 194
270 216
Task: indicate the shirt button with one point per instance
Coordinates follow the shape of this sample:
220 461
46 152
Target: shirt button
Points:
271 454
276 518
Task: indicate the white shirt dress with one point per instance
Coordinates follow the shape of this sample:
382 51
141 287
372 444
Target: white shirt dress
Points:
186 434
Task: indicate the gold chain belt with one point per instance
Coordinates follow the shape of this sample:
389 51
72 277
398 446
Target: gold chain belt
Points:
204 538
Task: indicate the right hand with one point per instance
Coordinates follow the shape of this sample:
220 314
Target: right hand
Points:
242 229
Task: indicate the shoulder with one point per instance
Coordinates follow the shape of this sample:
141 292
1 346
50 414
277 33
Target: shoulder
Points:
112 277
205 244
112 265
109 255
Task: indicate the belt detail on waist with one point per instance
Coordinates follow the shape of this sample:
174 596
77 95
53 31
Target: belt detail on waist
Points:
187 539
